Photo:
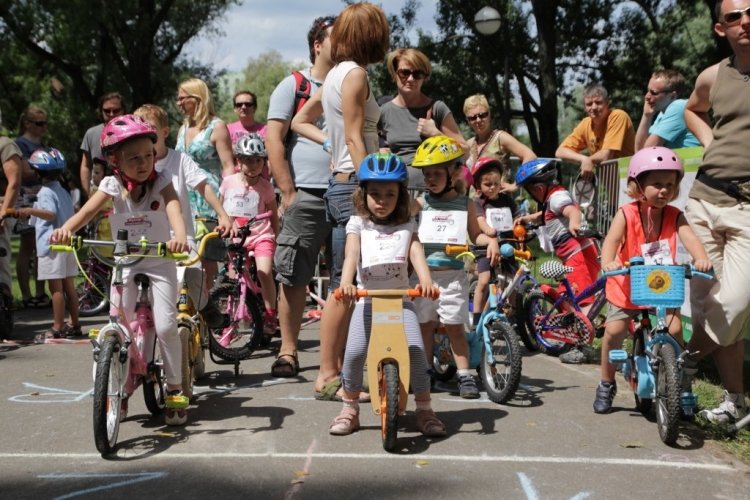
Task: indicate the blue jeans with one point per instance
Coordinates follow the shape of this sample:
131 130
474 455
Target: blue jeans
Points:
339 208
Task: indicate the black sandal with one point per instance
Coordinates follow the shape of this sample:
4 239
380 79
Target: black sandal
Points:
283 368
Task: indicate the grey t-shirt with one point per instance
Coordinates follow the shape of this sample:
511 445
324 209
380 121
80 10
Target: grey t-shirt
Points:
399 126
90 144
309 164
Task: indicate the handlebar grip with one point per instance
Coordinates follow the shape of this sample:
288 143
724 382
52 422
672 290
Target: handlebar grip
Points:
409 292
617 272
522 254
201 250
456 249
707 276
62 248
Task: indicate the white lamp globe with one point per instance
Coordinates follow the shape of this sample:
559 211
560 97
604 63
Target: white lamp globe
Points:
487 21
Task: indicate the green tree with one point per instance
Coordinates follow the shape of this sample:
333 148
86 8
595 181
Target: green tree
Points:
93 46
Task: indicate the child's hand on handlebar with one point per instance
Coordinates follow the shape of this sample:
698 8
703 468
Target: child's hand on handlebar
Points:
348 292
224 226
178 246
493 252
61 236
428 290
702 265
611 266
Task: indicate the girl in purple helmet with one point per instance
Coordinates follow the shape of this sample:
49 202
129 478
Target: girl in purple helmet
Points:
648 227
147 202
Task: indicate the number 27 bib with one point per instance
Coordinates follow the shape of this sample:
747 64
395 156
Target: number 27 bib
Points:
443 226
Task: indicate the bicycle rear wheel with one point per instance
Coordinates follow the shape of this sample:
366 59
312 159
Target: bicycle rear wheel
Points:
501 378
243 335
90 301
389 405
155 387
550 334
667 395
108 384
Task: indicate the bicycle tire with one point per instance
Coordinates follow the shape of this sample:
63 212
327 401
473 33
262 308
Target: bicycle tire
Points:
643 405
107 395
245 336
667 395
519 314
185 332
90 301
537 305
199 367
443 367
502 379
155 387
389 405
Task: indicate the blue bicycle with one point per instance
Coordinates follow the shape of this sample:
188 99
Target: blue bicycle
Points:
654 368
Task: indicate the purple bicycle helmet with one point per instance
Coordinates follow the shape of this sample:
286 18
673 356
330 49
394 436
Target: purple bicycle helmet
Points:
124 128
654 158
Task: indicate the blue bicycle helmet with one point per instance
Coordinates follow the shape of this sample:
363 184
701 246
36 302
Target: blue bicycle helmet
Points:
541 170
47 160
383 167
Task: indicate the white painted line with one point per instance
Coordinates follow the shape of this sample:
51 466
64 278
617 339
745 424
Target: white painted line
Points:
387 456
528 487
130 478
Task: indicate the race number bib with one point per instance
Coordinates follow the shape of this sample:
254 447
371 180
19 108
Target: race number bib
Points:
437 226
380 248
153 225
241 203
500 218
657 253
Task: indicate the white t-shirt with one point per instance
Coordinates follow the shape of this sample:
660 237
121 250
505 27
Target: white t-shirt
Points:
185 174
332 107
384 253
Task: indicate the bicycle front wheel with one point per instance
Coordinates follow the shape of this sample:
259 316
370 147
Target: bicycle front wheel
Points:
243 335
108 385
519 315
502 376
667 395
389 405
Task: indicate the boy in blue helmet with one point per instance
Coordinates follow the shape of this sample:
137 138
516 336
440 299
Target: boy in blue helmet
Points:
52 208
560 220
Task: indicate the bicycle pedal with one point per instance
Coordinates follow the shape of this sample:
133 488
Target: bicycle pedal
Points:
618 356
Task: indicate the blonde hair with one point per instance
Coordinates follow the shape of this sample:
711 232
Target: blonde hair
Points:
360 34
153 114
476 100
204 108
28 115
414 57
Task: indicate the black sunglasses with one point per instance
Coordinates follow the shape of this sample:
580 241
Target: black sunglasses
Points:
239 105
478 116
39 123
418 74
735 16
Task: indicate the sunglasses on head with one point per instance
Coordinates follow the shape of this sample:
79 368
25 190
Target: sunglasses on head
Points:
243 104
478 116
735 16
418 74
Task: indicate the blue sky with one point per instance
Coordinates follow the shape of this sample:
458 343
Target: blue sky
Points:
257 26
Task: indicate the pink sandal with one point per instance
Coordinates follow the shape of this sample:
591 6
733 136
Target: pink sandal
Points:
345 423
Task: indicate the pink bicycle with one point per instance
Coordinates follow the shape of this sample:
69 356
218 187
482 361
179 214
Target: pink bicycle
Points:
238 294
125 354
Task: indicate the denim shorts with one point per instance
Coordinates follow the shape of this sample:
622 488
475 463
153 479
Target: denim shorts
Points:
339 208
304 229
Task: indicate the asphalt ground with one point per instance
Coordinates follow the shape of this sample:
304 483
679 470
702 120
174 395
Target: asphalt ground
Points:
253 436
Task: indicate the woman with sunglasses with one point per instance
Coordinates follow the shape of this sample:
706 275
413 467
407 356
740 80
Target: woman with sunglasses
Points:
489 142
412 116
32 125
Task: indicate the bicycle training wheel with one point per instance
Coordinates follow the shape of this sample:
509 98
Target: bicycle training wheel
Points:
155 387
643 405
90 301
108 384
243 335
502 376
389 405
667 395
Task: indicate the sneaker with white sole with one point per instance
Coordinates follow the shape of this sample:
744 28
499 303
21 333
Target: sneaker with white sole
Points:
731 409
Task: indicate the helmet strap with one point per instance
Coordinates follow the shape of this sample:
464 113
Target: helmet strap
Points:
129 183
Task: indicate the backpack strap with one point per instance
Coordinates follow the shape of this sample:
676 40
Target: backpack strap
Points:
302 94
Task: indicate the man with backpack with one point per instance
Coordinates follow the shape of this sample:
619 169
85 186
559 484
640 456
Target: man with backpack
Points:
300 171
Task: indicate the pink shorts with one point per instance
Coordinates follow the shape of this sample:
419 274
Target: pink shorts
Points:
264 248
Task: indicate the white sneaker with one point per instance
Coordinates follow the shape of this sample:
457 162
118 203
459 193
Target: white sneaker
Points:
730 410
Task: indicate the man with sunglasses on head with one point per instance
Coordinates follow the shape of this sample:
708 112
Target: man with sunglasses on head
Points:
110 105
300 171
663 121
245 105
716 210
605 133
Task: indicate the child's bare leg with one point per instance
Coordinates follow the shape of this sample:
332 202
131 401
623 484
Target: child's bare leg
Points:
614 333
428 330
71 296
267 285
58 303
674 323
459 345
480 293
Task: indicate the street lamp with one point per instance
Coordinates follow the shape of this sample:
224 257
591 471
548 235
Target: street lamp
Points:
487 21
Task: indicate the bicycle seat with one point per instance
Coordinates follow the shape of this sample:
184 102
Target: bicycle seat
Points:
142 279
554 270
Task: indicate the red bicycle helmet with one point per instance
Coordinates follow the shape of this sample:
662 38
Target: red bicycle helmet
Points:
124 128
482 165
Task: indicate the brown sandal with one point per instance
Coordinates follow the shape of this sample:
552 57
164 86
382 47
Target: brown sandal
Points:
429 425
283 368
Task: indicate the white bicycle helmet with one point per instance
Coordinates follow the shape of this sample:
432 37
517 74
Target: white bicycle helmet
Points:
250 145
